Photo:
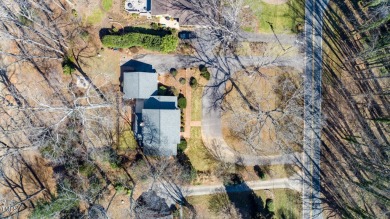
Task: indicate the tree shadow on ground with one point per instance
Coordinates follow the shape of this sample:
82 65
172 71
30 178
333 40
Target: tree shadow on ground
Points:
157 32
246 201
189 169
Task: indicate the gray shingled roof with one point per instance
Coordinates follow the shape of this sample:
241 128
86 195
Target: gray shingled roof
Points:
139 85
161 131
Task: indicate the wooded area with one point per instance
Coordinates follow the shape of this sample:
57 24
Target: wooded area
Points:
62 152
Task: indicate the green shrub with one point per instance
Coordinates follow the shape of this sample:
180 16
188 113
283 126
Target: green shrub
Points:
162 90
182 80
193 82
67 69
68 65
110 155
74 13
182 102
154 26
95 184
114 30
48 210
173 72
270 205
167 43
202 68
147 41
84 35
120 188
182 146
86 169
115 164
204 72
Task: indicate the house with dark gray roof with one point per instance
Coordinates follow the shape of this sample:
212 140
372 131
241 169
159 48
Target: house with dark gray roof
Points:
139 85
161 125
156 118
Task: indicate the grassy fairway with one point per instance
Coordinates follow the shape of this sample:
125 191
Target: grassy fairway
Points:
283 17
107 4
200 158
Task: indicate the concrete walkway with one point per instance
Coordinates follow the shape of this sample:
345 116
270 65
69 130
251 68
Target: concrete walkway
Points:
283 183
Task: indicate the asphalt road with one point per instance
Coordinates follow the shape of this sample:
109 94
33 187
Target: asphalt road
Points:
311 193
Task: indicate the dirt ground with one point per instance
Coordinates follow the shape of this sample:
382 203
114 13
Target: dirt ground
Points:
45 174
262 89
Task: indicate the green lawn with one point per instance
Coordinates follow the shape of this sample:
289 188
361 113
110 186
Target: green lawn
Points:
287 203
247 29
127 140
107 4
200 158
96 16
196 104
283 17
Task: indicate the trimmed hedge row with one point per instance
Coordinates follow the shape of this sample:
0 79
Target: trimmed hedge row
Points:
167 43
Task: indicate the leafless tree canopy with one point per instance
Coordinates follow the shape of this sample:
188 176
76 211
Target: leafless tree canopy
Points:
222 18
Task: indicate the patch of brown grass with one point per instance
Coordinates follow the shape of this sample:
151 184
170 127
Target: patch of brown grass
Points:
260 88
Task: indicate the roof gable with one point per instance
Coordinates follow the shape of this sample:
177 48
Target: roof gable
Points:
161 131
140 85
